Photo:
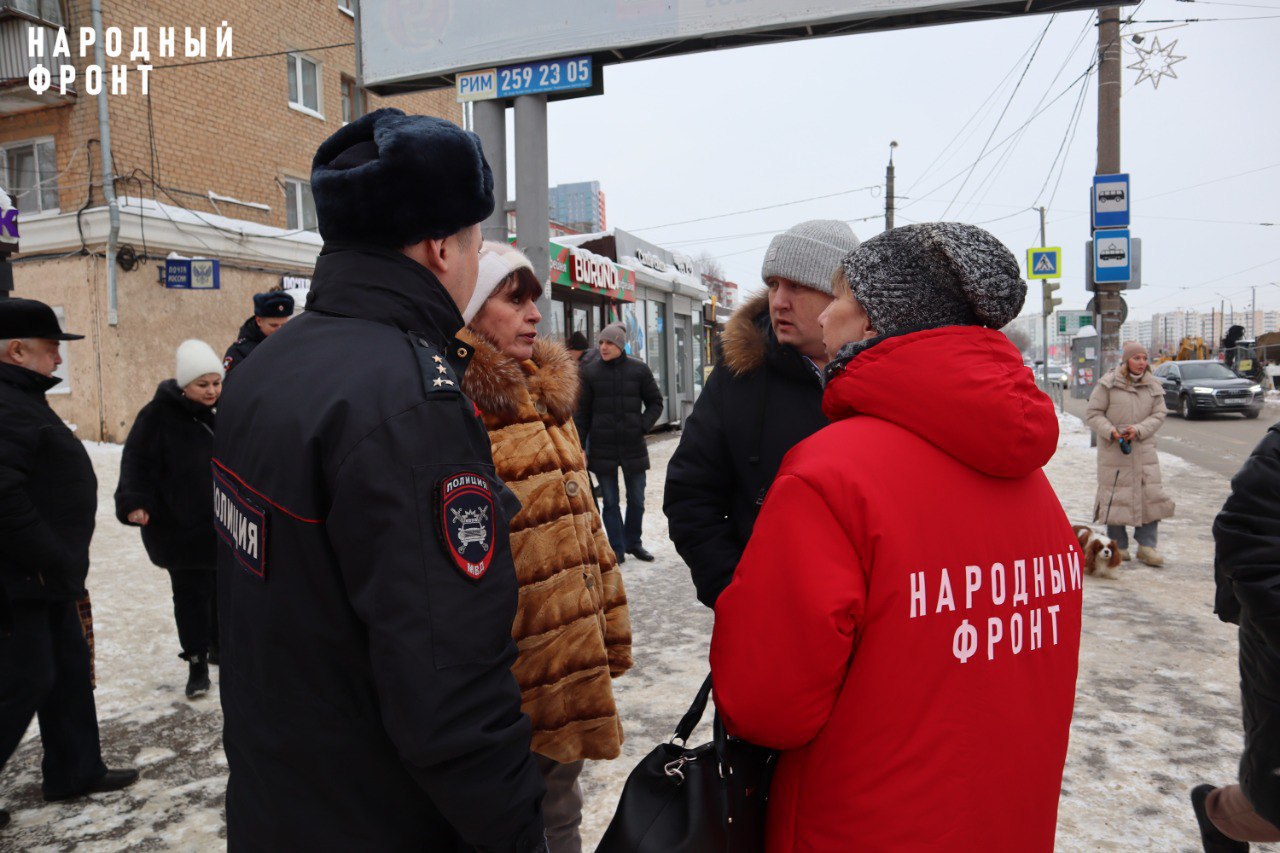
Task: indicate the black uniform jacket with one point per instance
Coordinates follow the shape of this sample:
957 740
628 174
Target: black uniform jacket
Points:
1247 568
48 494
620 402
366 588
759 402
165 470
248 340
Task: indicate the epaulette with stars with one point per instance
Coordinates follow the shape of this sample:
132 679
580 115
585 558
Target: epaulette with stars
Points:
437 375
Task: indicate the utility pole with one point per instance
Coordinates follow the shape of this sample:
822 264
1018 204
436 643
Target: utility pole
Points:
888 189
1253 314
1108 300
1044 318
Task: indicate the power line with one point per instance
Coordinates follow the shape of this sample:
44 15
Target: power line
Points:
254 56
1002 142
1008 103
694 240
990 180
756 209
1200 20
1237 5
950 146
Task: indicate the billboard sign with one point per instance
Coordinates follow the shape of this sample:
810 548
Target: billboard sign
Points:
425 43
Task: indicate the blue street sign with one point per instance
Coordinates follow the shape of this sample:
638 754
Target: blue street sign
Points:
1111 257
531 78
1045 262
1111 201
192 274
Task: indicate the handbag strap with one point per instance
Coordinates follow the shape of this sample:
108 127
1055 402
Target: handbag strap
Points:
693 716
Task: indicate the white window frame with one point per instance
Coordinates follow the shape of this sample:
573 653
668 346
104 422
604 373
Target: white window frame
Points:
40 6
4 172
359 98
295 69
297 210
345 7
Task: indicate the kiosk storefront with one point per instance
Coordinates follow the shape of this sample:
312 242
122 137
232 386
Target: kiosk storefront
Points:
664 316
587 291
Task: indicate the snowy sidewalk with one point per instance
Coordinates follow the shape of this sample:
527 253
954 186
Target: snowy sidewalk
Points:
1157 707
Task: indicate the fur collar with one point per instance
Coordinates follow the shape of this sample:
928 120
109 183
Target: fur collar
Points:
499 384
747 337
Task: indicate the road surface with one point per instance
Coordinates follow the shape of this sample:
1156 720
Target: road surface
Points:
1220 443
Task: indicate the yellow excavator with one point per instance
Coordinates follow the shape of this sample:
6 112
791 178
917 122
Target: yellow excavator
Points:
1189 349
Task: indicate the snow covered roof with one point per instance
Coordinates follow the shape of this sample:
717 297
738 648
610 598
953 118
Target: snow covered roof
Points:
168 227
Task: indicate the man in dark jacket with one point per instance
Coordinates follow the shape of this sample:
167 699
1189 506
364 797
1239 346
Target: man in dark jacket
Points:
763 398
620 402
271 310
366 587
1247 569
48 497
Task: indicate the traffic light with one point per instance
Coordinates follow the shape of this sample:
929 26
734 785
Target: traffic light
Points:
1050 301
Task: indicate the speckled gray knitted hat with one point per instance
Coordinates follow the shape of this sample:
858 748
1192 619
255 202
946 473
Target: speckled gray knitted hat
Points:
935 274
809 253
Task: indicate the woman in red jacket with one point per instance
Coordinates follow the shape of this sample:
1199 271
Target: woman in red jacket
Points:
905 622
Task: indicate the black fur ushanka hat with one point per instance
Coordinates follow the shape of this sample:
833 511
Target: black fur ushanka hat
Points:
392 179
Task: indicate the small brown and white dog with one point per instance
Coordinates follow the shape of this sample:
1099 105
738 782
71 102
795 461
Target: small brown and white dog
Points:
1101 555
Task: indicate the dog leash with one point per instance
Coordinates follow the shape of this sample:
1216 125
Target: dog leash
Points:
1107 517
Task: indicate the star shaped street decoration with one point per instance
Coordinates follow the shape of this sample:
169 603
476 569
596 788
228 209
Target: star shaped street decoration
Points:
1155 62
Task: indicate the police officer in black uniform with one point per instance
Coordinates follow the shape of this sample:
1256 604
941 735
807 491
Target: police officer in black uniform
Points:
48 498
271 310
366 587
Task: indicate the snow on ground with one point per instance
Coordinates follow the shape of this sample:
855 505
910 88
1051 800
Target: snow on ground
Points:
1157 707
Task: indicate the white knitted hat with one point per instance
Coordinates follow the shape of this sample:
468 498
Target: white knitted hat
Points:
195 359
497 261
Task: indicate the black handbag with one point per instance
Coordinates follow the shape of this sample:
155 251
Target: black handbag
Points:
707 799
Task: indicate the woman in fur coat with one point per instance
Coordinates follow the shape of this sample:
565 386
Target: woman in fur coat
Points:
572 626
1128 403
164 488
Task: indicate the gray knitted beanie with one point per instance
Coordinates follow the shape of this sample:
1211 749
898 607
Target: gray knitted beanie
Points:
809 253
935 274
614 333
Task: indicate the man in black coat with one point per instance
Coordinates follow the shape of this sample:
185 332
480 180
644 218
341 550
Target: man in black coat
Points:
1247 570
620 403
366 587
271 310
48 497
763 398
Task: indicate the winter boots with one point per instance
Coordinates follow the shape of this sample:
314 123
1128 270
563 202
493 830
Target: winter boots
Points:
1210 836
198 676
1150 556
1124 555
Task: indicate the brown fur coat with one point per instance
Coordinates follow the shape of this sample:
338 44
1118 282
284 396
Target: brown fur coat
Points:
572 626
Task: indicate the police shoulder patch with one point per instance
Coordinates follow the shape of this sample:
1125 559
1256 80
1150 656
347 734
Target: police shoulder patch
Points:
466 521
241 522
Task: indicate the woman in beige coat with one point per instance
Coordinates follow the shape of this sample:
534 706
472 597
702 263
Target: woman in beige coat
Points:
1127 406
572 626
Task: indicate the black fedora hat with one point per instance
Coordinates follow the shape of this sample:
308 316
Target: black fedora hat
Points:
29 318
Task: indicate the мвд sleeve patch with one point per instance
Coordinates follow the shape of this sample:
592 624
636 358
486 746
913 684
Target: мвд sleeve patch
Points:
465 521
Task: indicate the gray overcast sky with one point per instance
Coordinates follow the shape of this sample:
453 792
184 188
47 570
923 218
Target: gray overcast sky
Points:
706 134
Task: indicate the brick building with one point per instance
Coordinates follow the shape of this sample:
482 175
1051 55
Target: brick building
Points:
213 162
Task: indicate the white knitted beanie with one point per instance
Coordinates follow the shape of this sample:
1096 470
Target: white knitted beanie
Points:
195 359
497 261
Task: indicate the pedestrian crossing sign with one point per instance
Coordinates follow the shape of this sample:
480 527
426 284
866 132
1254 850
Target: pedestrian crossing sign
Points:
1044 262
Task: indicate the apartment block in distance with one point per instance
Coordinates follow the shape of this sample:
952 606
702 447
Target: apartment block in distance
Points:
212 162
580 206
